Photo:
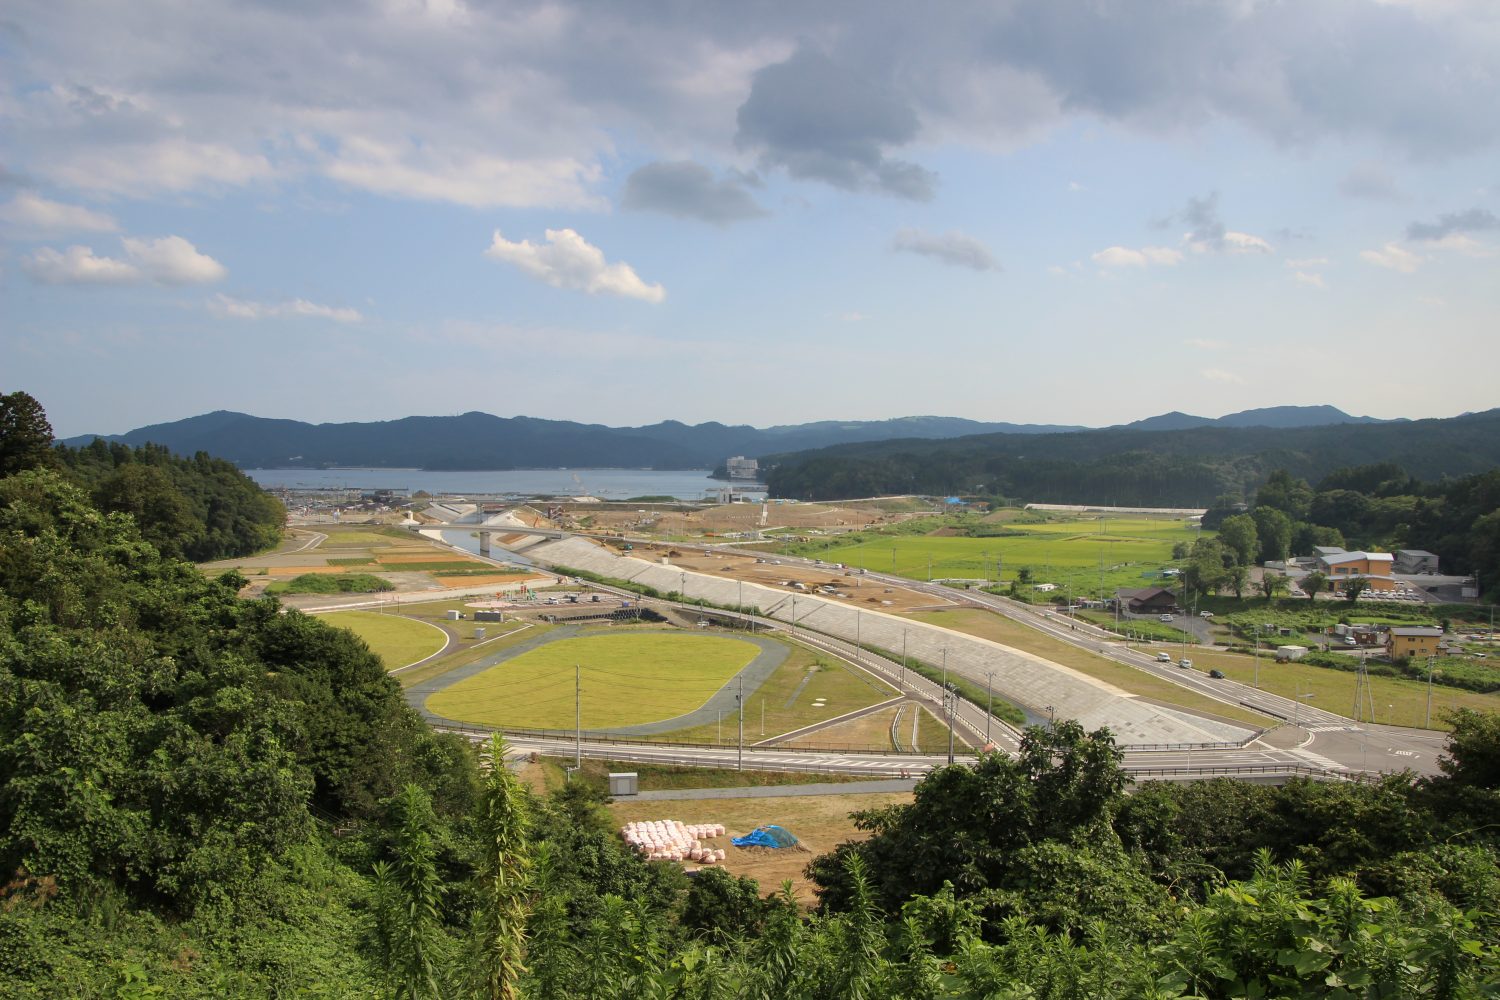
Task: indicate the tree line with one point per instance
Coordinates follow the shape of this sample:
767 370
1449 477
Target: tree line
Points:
200 508
1182 468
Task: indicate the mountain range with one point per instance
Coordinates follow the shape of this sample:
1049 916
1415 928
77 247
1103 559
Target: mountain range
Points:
483 441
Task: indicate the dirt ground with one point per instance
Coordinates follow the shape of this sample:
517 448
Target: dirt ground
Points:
736 517
849 586
820 822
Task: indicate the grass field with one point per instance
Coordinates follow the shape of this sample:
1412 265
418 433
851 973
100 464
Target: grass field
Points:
397 641
842 689
1398 701
1063 553
1139 682
626 679
342 539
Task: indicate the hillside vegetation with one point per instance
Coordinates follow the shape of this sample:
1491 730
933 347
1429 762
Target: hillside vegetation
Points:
1133 468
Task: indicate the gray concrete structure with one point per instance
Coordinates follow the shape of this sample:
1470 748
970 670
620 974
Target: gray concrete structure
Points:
1043 687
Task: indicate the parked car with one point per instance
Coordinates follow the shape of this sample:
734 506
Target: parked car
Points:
1205 614
1163 657
1217 675
1165 618
1185 663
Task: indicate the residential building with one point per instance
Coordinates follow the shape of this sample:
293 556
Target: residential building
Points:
1148 600
1413 641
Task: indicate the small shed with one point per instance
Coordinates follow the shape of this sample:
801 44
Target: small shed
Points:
1290 652
623 783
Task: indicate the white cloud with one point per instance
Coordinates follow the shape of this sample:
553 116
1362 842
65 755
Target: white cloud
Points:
78 266
224 305
567 260
1220 375
33 213
1305 262
1125 257
170 260
1310 278
1392 256
1204 344
1245 243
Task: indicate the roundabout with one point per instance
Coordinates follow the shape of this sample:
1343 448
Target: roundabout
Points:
636 683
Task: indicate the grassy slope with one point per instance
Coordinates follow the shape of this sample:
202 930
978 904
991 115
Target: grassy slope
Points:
1398 701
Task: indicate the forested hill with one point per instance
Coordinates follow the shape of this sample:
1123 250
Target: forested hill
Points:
198 508
482 441
1189 467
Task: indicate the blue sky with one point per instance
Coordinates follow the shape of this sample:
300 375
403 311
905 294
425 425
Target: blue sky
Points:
1027 210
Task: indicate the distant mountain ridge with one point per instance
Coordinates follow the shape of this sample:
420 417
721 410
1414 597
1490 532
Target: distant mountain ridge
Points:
483 441
1268 416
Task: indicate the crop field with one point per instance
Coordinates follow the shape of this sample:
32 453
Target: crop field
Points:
625 679
396 640
1056 552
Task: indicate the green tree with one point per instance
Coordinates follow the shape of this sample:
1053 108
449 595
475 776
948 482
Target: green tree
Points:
1354 586
1274 529
1291 496
25 434
409 893
1238 535
1313 584
1273 585
1473 755
504 872
1237 576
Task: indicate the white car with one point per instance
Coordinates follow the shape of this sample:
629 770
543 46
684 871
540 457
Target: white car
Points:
1163 657
1165 618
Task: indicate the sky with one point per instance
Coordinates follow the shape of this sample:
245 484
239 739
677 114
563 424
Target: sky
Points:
1039 211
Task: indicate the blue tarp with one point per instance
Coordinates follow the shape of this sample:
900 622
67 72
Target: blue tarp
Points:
953 500
766 836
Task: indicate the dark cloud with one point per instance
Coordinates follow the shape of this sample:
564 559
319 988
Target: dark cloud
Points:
1370 182
1475 220
690 191
1202 217
954 248
819 120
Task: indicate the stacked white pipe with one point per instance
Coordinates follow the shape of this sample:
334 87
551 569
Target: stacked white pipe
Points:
673 840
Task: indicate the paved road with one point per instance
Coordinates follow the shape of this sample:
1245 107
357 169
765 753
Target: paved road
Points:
1334 746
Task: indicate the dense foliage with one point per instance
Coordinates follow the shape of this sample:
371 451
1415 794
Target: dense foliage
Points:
1183 468
198 508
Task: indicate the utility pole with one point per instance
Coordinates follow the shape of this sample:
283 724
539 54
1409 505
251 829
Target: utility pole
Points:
577 716
1257 656
948 700
989 694
903 658
858 648
1428 723
740 762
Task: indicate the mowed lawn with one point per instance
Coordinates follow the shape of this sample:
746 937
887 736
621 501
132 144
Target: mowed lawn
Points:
396 640
625 680
1055 552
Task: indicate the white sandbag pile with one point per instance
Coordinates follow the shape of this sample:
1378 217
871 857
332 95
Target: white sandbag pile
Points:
672 840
